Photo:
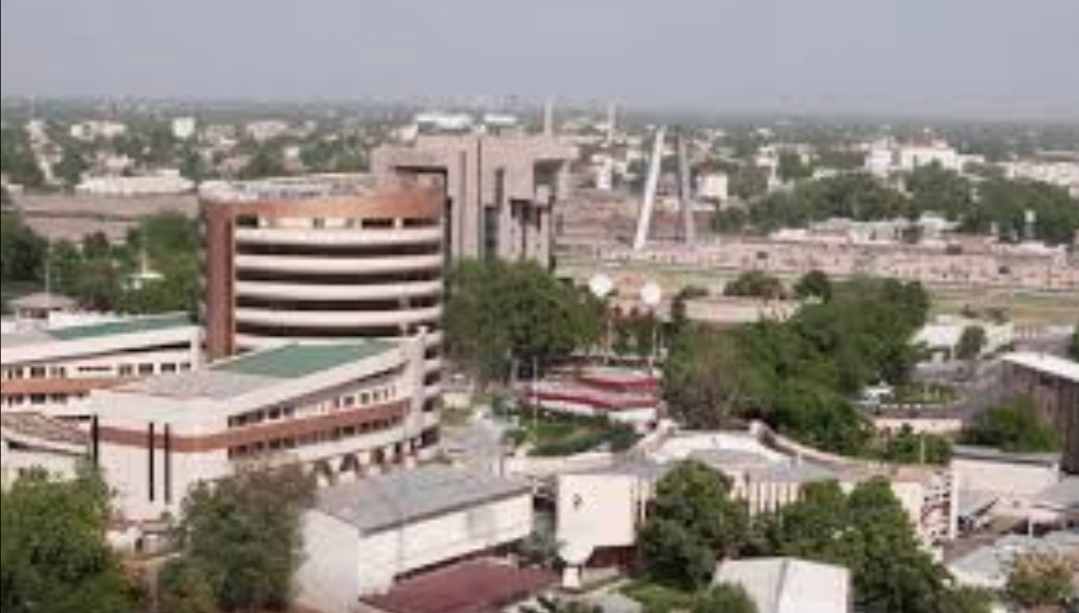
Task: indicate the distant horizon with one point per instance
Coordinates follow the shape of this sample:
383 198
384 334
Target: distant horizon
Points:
879 58
455 103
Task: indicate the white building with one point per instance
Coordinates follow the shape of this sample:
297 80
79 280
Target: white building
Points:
52 371
942 336
714 187
32 442
344 411
600 511
165 183
1011 482
89 131
184 128
989 567
361 537
787 585
887 157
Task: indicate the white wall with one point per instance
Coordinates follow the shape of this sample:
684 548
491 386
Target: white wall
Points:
328 579
1016 484
419 545
598 511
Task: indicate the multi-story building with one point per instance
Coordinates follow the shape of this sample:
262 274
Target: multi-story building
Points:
322 260
1053 384
343 410
51 371
499 192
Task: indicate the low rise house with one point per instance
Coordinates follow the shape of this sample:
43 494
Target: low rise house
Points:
362 537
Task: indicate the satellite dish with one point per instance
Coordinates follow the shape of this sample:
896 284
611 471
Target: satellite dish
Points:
601 286
576 554
651 294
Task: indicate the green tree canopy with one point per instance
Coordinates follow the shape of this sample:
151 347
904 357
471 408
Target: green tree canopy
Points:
971 343
497 313
243 535
814 285
756 285
725 598
1043 580
1016 427
869 533
54 555
693 523
22 252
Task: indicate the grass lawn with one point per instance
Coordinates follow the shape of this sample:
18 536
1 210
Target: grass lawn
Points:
657 598
552 435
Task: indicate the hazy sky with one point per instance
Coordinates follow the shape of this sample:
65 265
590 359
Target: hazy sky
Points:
984 57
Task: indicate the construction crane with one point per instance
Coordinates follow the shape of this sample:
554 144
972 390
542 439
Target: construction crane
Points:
688 232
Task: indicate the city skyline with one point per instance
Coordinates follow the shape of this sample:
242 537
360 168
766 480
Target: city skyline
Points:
920 57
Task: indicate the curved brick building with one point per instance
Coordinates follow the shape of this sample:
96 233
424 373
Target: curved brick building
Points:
322 260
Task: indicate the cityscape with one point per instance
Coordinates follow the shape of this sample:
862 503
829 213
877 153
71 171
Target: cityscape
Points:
669 325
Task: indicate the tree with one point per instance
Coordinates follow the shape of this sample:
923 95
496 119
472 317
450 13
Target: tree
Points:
54 555
756 285
971 343
17 160
72 167
184 588
793 168
22 252
693 522
815 285
1042 580
243 534
700 382
1015 427
725 598
498 314
868 532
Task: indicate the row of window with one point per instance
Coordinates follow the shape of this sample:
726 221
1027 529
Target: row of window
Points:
370 397
20 400
145 369
328 436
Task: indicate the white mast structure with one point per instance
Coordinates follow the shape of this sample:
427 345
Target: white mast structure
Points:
648 205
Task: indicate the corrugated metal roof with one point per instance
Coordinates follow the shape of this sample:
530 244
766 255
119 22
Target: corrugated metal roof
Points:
382 503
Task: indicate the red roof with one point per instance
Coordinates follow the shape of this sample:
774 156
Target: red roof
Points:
479 586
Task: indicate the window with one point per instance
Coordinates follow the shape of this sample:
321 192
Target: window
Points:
146 369
168 368
126 370
37 372
58 372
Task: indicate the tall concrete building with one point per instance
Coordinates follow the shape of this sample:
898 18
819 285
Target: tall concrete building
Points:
500 192
321 260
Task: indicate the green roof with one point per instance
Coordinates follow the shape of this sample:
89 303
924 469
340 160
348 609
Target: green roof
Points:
126 326
294 361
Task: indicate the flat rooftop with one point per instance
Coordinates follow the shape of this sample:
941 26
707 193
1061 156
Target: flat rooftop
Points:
1046 364
287 189
120 327
967 452
257 371
383 503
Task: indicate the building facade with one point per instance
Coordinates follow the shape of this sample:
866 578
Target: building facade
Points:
364 536
499 192
322 260
344 410
51 371
1053 384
